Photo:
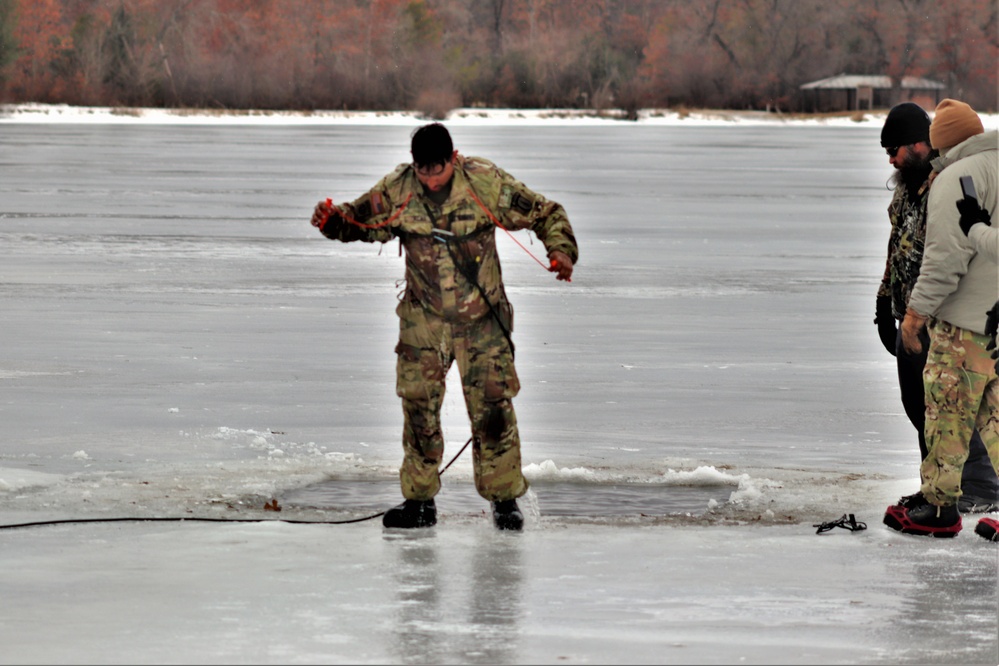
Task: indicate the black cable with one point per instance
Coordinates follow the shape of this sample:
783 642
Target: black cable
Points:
466 270
161 519
193 519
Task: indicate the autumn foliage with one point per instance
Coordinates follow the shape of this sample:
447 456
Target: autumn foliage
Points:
435 55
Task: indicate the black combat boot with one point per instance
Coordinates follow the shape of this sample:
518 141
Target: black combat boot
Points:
926 520
912 501
972 504
411 513
507 515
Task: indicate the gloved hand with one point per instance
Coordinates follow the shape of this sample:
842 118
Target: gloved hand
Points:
972 214
561 265
885 321
322 213
991 327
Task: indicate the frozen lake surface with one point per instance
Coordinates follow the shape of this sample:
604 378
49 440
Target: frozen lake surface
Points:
178 341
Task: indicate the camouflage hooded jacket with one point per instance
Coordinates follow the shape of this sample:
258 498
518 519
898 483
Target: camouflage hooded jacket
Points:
905 246
450 248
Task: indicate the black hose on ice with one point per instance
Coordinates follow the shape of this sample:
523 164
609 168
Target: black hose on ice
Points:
191 519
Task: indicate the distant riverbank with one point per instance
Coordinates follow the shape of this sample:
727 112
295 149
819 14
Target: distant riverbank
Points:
59 113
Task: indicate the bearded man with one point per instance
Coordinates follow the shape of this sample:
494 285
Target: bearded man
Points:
906 138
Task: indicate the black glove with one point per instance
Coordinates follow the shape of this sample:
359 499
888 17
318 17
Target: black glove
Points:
886 323
991 327
972 214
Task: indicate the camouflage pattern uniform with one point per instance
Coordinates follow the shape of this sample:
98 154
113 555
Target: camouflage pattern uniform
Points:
907 213
905 247
454 309
956 288
962 393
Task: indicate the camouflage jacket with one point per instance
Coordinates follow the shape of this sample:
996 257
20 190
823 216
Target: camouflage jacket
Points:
905 247
451 247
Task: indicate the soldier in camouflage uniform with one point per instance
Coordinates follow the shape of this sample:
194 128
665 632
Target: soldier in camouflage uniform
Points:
956 289
906 138
445 208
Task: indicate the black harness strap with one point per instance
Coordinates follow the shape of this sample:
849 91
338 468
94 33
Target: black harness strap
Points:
848 522
468 267
442 235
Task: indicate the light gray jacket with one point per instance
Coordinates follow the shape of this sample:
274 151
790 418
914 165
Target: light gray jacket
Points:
957 283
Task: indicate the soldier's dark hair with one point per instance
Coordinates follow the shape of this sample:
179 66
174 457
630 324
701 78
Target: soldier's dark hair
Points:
431 145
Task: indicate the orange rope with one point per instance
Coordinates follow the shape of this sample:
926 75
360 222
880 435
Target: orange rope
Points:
350 220
497 223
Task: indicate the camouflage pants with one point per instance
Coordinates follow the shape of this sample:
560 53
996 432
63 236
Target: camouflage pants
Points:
428 345
962 392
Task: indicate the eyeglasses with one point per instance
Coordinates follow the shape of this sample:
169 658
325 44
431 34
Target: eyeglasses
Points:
893 151
430 169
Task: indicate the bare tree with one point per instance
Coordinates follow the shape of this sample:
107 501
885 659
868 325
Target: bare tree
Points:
391 53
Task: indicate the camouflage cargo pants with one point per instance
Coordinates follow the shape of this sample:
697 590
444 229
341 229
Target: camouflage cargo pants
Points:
428 345
962 392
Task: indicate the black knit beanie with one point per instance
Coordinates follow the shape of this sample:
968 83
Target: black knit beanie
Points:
906 124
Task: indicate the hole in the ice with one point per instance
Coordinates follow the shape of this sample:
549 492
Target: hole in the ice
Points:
554 498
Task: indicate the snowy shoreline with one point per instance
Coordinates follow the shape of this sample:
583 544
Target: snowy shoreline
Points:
62 113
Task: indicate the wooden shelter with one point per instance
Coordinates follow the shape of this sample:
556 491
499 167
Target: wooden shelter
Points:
862 92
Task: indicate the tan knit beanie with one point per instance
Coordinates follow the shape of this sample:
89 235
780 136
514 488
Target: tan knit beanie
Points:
953 122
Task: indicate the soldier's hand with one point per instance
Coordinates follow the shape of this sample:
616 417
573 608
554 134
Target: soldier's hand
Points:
322 213
972 214
561 265
912 325
885 321
992 327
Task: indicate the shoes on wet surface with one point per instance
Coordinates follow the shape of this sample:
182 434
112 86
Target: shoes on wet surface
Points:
988 528
925 520
912 501
411 514
507 515
972 504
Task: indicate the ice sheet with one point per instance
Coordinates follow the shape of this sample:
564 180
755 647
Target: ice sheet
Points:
178 341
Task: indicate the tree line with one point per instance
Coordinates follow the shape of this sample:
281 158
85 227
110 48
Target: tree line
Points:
436 55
